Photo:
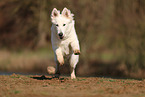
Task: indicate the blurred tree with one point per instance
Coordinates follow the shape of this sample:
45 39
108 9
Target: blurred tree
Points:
43 22
111 32
19 29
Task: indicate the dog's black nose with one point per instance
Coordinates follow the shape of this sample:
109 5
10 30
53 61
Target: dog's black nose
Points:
60 34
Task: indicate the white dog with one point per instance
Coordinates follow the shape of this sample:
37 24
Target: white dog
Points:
64 40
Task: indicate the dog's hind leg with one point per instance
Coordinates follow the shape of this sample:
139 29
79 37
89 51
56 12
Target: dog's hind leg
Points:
73 62
57 70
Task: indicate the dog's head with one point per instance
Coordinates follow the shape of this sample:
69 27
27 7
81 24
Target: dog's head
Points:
61 21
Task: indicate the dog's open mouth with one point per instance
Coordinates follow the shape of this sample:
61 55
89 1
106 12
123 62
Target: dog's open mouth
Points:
61 37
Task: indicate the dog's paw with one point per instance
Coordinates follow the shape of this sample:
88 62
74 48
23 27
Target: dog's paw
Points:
51 70
77 52
61 63
73 76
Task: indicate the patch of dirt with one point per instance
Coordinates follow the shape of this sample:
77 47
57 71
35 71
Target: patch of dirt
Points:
47 86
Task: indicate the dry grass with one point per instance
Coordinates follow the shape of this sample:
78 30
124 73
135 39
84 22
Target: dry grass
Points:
26 61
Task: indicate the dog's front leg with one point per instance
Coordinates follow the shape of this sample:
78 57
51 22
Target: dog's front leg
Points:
59 56
75 47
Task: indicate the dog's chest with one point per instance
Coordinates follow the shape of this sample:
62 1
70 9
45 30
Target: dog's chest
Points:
65 47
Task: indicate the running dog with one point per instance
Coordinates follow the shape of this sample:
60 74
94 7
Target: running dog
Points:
64 40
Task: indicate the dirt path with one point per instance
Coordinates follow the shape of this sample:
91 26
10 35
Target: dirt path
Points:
46 86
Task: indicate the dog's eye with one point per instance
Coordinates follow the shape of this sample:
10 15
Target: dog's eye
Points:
64 24
57 25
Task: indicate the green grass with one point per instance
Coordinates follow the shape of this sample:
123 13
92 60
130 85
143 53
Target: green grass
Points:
15 76
20 61
101 80
111 80
45 86
104 79
80 79
16 92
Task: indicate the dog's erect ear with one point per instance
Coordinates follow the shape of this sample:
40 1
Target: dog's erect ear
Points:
67 13
55 13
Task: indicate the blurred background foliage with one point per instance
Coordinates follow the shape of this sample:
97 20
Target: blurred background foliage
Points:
111 34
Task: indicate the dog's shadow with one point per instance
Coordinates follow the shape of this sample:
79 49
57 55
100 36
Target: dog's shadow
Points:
43 77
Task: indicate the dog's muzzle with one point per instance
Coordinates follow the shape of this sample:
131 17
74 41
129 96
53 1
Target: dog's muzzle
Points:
60 35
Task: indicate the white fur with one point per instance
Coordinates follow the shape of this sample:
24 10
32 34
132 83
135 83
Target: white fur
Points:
69 44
